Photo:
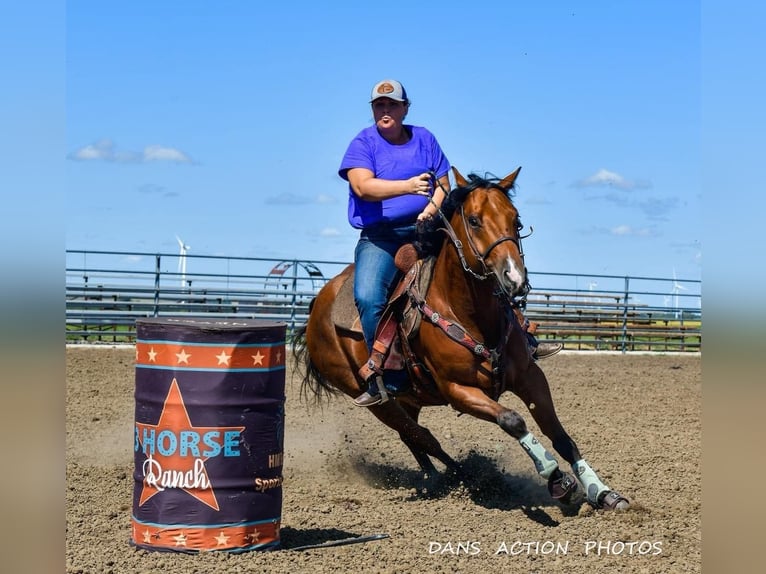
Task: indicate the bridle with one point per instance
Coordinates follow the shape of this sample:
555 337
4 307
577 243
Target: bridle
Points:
486 272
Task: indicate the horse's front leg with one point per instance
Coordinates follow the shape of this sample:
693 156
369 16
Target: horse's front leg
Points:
534 390
473 401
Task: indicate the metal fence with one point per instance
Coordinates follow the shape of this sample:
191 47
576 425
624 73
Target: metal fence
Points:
106 291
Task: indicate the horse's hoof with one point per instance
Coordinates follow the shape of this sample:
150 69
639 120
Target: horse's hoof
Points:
562 487
614 501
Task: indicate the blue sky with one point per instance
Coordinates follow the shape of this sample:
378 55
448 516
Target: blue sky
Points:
224 122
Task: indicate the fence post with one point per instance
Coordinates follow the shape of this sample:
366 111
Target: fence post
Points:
157 285
294 299
625 316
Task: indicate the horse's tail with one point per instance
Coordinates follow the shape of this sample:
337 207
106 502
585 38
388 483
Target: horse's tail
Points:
313 384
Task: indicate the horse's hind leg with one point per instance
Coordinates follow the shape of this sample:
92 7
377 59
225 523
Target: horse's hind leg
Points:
420 441
535 392
423 460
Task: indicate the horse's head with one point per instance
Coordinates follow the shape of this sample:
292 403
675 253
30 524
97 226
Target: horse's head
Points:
483 217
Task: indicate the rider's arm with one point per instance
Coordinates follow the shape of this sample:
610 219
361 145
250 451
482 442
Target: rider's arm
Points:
370 188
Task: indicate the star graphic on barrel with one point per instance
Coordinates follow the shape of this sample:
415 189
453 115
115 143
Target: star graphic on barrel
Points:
222 539
186 448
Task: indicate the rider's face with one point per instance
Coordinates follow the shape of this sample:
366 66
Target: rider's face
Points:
388 113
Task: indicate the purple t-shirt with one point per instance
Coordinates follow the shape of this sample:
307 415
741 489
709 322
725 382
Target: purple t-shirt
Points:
369 150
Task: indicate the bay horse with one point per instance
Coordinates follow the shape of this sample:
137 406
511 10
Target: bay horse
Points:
468 348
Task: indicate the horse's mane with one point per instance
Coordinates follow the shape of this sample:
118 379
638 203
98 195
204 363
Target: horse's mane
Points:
457 196
429 239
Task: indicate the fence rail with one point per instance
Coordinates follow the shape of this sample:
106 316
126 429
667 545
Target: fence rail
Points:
107 291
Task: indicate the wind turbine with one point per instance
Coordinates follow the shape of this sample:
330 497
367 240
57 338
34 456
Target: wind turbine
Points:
677 287
182 261
591 286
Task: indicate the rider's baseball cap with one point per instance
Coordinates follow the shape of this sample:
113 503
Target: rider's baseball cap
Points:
389 89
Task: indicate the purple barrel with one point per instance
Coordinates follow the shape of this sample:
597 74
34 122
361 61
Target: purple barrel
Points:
208 435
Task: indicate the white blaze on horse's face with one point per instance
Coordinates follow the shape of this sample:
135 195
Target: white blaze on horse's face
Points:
503 253
512 277
508 266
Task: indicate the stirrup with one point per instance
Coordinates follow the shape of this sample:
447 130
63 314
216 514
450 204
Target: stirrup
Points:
368 399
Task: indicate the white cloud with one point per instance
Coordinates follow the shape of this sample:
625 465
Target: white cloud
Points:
329 232
627 230
88 152
161 153
101 150
324 198
606 178
621 230
104 150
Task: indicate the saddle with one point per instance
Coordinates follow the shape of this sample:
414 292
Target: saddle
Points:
420 270
398 325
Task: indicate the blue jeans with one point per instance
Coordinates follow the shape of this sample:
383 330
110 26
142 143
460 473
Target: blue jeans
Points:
376 274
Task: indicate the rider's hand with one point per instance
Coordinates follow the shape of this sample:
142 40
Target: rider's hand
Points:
420 184
425 215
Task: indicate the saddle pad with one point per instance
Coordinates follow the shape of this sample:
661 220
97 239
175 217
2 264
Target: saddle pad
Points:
411 315
344 313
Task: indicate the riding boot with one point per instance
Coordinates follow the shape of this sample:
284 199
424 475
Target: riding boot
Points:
382 386
541 351
545 350
537 350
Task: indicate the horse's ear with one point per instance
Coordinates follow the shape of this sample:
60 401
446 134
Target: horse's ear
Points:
459 179
510 179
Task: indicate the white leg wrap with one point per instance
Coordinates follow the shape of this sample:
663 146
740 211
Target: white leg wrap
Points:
590 481
544 461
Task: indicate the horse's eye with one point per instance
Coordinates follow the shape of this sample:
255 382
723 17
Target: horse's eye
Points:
473 221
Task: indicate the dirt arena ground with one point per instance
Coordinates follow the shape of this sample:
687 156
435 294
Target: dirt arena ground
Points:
637 420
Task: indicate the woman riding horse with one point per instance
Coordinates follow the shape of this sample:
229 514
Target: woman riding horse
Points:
468 350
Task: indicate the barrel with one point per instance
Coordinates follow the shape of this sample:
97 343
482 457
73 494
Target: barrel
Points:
208 435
